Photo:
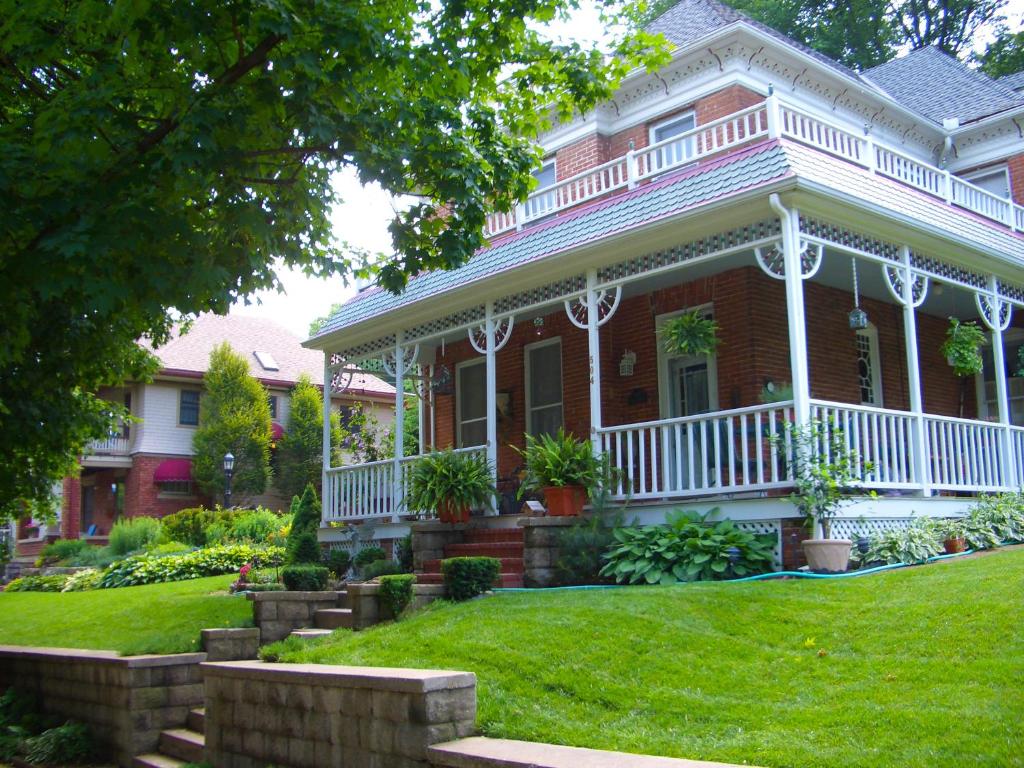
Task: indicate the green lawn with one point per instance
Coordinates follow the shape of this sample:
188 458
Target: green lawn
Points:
916 667
159 618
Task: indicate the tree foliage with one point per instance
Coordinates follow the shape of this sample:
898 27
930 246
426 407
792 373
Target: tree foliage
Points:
300 450
161 156
1004 55
302 546
234 416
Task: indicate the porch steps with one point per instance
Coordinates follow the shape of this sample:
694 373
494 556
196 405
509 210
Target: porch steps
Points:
505 544
333 618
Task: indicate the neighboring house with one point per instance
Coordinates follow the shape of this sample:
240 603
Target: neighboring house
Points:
748 178
145 469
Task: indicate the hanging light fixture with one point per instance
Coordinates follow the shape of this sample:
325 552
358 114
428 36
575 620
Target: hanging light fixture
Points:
858 317
442 383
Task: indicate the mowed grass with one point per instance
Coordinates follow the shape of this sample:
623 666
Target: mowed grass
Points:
917 667
157 618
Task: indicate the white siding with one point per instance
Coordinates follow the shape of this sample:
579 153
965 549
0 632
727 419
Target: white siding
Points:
161 432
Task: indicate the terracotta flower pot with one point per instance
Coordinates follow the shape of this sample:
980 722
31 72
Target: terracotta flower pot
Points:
565 500
953 546
828 555
449 511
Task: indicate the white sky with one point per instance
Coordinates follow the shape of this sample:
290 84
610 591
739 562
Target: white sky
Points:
363 216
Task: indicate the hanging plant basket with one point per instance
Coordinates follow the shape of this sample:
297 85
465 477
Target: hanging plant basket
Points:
690 333
962 347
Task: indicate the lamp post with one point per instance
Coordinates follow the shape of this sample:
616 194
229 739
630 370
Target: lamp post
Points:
229 470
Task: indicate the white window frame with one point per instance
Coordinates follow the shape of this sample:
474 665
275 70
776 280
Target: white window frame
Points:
1011 337
874 353
665 390
527 349
991 170
458 401
552 161
652 131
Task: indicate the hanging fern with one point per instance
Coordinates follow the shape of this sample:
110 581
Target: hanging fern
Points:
962 347
690 333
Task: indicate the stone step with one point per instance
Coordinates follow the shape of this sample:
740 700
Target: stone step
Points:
197 720
343 599
333 618
155 760
489 535
505 580
183 744
499 549
310 633
508 565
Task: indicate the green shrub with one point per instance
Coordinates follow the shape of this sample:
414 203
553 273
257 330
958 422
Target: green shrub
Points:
685 549
188 526
467 577
581 549
460 479
380 568
93 557
396 592
303 548
304 577
254 526
52 583
66 744
302 542
338 561
367 555
403 553
916 543
168 548
132 534
83 581
60 550
212 561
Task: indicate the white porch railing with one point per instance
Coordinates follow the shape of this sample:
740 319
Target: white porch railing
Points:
965 455
740 127
371 490
112 446
720 452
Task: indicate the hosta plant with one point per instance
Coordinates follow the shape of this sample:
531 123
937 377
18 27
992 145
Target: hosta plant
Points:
916 543
687 548
212 561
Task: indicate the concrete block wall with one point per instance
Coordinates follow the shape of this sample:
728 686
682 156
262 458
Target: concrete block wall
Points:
232 644
306 715
276 614
542 548
125 700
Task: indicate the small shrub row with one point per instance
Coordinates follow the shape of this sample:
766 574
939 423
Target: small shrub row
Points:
396 592
212 561
60 550
380 568
304 577
200 527
467 577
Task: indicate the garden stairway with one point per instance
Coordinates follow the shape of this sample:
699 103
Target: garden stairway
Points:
178 746
505 544
326 620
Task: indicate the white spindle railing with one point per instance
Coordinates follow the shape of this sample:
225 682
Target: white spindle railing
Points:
981 201
739 449
1017 453
964 454
408 461
112 446
881 441
913 173
831 138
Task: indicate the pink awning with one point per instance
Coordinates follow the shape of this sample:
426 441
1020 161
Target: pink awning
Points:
173 471
276 430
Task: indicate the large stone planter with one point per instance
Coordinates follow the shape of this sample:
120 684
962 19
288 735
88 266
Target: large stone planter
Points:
828 555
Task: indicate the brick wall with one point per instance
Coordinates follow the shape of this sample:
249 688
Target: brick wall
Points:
143 496
1016 167
751 311
581 155
71 508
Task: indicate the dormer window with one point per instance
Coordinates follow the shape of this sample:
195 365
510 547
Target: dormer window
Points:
675 152
266 360
993 179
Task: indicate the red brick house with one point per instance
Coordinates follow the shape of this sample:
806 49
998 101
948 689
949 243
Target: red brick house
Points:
146 468
775 190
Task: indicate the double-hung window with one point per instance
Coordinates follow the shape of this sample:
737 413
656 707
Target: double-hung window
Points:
541 203
471 403
544 413
674 152
188 408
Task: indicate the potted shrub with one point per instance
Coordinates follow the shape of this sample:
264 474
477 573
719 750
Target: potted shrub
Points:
449 484
691 333
564 469
953 535
824 476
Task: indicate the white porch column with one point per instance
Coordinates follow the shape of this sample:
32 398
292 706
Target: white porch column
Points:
795 313
326 493
594 348
996 326
921 469
398 487
421 424
492 396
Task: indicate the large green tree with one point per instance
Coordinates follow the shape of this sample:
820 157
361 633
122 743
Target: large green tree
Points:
156 158
1004 55
234 417
300 449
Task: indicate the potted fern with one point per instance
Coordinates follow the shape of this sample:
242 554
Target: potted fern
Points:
691 333
564 468
449 484
962 349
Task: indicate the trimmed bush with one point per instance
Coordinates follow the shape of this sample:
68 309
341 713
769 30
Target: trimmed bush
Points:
53 583
396 592
338 561
368 555
380 568
131 534
303 546
304 577
467 577
212 561
60 550
403 553
188 526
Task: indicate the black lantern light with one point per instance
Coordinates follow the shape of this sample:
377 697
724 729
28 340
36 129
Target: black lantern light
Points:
229 470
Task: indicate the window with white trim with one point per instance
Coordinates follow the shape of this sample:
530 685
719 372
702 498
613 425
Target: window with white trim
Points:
544 387
1013 355
540 202
869 374
993 179
676 152
471 403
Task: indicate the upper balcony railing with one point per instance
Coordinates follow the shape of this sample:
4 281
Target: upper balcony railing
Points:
771 119
116 445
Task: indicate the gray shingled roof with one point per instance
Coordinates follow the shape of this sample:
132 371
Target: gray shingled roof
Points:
1014 82
690 20
754 166
938 86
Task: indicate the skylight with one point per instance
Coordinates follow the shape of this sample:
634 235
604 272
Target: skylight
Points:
266 360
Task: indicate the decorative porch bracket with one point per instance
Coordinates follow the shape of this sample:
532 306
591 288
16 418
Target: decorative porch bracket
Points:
606 301
896 281
502 333
390 358
996 312
771 259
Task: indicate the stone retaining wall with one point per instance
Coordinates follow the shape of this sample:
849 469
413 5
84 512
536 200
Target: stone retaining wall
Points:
429 539
276 614
542 548
367 610
231 644
125 700
309 715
